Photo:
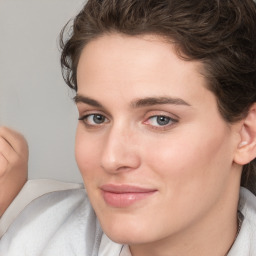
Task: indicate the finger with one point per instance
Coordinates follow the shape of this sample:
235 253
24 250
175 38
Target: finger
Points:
8 156
3 165
6 150
15 140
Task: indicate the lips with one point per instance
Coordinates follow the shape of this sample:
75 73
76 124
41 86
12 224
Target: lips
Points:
121 196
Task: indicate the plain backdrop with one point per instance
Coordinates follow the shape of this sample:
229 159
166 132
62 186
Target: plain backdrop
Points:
33 96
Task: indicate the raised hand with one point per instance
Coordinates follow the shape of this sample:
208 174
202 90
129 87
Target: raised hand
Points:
13 165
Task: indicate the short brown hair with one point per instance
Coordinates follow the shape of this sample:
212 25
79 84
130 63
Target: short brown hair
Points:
219 33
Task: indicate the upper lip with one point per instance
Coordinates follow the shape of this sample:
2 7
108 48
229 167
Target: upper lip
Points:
123 188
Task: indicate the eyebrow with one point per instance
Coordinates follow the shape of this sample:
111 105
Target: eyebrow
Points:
82 99
149 101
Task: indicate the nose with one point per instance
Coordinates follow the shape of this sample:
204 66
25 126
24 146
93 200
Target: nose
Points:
120 151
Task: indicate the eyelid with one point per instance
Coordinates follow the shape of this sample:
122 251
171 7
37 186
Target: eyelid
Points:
86 108
171 119
85 111
152 113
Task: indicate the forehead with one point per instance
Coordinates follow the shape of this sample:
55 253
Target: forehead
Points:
138 65
129 50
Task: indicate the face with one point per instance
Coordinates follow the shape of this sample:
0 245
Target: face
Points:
151 146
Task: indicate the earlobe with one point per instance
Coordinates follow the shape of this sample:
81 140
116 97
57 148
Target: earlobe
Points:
246 149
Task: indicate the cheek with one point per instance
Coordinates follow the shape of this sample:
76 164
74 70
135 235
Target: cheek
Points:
86 153
191 159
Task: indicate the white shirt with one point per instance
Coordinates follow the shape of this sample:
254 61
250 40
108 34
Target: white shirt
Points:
125 251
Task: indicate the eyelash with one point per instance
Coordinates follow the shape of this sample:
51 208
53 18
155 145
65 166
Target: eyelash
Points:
92 124
85 118
170 122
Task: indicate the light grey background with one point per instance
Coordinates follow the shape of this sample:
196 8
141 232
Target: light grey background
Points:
33 96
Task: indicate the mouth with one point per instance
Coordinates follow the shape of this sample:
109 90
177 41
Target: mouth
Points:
121 196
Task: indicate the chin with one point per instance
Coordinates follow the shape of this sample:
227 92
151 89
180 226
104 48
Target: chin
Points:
126 232
126 238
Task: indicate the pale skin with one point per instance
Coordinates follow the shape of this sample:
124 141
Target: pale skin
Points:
147 120
13 165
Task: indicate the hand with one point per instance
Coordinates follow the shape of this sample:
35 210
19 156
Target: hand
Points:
13 165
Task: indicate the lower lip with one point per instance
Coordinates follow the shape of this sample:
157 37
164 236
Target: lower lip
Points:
122 200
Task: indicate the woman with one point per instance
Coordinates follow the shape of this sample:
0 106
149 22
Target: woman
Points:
166 95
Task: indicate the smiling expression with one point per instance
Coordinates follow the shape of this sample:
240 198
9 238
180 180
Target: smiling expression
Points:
153 150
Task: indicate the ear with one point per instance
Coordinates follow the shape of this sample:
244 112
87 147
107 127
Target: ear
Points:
246 149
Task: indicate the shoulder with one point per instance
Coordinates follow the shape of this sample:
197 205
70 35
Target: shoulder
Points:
54 223
245 242
32 190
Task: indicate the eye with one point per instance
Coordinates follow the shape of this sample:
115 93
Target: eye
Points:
93 119
160 121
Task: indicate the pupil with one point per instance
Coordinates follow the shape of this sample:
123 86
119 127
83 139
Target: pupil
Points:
98 119
163 120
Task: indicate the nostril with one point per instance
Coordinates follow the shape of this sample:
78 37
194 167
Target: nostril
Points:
124 161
